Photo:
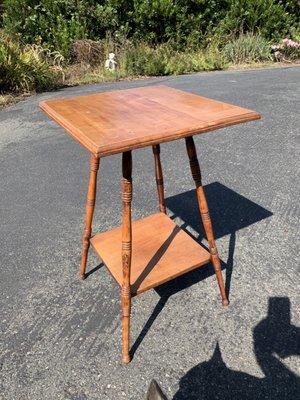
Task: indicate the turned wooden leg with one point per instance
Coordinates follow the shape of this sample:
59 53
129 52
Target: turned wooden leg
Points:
126 253
90 205
159 178
194 164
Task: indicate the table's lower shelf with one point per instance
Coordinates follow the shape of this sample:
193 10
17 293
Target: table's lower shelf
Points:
161 251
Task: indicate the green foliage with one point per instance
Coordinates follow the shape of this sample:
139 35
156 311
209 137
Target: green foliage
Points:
26 69
195 61
139 58
273 19
55 23
182 23
247 48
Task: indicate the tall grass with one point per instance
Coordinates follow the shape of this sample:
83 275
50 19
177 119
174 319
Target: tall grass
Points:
27 68
139 58
248 48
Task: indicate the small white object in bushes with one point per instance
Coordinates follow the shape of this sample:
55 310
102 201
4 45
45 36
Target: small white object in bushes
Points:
111 63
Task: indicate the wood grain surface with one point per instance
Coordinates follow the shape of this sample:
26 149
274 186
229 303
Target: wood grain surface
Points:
113 122
161 251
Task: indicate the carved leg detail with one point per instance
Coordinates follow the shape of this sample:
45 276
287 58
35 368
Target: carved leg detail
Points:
159 178
90 205
126 253
207 224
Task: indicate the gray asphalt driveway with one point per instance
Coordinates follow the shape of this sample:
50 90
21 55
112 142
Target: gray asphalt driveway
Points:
60 337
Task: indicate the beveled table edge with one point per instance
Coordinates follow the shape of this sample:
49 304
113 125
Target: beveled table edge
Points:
119 147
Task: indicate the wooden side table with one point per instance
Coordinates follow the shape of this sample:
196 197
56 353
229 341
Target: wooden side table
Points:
143 254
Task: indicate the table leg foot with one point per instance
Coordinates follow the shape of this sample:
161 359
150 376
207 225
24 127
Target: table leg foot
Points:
126 305
126 359
225 302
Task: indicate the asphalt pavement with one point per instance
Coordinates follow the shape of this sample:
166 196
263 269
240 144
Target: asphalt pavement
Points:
61 337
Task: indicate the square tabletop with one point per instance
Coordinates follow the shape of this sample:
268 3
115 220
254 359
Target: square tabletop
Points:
113 122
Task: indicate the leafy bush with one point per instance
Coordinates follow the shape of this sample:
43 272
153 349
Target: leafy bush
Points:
141 59
180 22
28 68
247 48
56 23
272 19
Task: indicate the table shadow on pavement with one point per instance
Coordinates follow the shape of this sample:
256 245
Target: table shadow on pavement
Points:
229 212
274 339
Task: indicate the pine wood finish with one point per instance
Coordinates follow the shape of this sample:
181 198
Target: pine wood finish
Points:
114 122
206 221
161 251
151 251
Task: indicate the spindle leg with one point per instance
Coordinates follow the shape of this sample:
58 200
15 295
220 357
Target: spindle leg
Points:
90 205
207 224
159 178
126 253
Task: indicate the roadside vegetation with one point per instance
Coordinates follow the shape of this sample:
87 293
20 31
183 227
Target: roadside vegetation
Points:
48 43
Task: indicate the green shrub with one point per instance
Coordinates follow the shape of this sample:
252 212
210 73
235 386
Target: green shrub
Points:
141 59
195 61
28 68
180 22
247 48
272 19
56 23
